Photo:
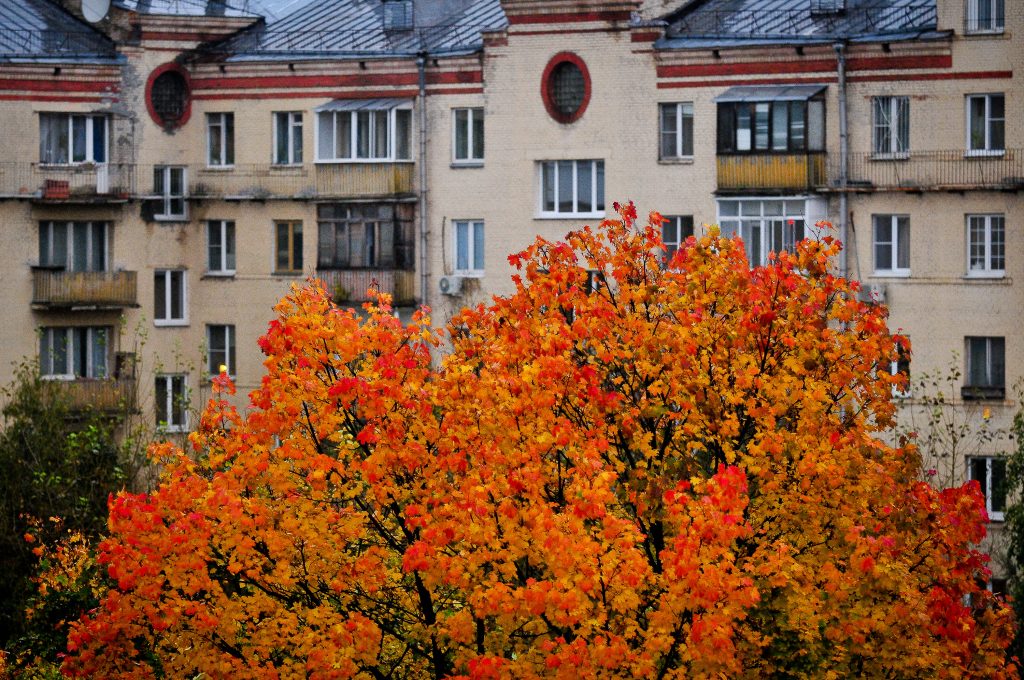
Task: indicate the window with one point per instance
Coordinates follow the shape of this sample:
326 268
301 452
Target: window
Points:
72 138
986 368
565 87
169 302
892 244
468 134
572 188
986 124
73 246
220 344
676 130
901 367
990 474
220 248
771 126
74 352
169 186
287 138
220 139
364 135
985 16
674 233
169 97
469 247
891 126
365 236
766 226
171 403
986 245
288 240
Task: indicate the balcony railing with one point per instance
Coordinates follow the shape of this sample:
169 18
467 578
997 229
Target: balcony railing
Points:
351 285
771 172
99 394
58 289
89 182
932 171
254 181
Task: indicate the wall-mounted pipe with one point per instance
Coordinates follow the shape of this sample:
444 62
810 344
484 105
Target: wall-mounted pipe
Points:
421 63
844 155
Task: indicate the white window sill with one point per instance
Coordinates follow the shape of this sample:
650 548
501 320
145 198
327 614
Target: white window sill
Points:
172 429
676 160
473 274
568 216
468 164
984 153
892 274
226 274
171 218
896 156
79 165
219 168
994 274
59 377
170 323
345 161
285 166
989 32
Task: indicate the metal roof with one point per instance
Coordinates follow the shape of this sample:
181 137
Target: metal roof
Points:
723 23
269 9
356 27
363 104
763 93
37 29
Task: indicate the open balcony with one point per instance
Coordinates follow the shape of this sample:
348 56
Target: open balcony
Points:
59 289
81 183
103 395
335 180
351 285
949 170
756 173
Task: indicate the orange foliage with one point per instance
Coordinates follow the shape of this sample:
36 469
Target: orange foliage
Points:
626 468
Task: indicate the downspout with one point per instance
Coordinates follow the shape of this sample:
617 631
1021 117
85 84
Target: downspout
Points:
844 156
421 63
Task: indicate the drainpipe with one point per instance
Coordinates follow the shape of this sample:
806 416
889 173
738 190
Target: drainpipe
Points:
421 63
844 155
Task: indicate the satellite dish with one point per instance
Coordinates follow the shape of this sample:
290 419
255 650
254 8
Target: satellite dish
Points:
95 10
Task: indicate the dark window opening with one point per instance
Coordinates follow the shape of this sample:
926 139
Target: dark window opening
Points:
169 97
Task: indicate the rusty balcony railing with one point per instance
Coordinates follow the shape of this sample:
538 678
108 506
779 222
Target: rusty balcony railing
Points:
105 395
83 182
351 285
948 170
771 172
58 289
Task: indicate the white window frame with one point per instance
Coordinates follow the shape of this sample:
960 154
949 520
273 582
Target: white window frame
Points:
169 276
390 154
987 485
893 268
467 130
89 152
997 20
597 192
229 350
50 335
992 245
897 126
172 398
223 227
987 149
292 123
167 198
219 157
475 231
774 214
682 111
47 242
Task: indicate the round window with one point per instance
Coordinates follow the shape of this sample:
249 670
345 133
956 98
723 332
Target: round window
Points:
168 96
565 87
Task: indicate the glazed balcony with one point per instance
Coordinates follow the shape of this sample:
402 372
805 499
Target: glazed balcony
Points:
351 285
81 183
59 289
756 173
948 170
104 395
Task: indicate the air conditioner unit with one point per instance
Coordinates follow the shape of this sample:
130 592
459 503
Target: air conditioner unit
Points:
450 285
872 293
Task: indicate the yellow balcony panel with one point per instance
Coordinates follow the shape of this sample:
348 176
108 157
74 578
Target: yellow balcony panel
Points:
86 290
364 179
771 172
351 285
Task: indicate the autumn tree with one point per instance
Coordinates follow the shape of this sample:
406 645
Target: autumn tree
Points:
626 468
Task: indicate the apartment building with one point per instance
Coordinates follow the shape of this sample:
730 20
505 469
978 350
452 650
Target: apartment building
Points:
172 167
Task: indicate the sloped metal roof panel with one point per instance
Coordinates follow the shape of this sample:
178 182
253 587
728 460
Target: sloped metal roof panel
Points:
37 29
363 104
763 93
